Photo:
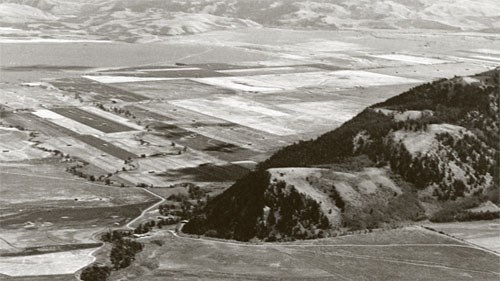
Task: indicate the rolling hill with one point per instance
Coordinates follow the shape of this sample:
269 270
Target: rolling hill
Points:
146 20
431 152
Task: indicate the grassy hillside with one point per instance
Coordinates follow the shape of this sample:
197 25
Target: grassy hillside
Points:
433 144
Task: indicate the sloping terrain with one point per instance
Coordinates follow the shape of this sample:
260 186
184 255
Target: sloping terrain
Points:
139 20
386 165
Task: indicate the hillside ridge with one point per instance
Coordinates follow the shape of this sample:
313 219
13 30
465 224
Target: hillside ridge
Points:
399 160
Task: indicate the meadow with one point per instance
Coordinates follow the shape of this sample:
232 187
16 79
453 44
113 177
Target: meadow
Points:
400 254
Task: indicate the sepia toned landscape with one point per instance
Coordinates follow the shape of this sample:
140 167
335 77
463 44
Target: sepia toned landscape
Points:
210 140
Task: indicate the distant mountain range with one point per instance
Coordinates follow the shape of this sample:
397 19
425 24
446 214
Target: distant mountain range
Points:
431 152
134 20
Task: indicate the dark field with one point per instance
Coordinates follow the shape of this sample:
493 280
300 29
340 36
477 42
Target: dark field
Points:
33 122
223 150
92 120
198 73
211 173
106 147
95 90
76 217
67 277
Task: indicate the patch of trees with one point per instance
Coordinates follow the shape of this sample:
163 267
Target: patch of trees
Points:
122 254
124 249
292 215
335 196
234 214
95 273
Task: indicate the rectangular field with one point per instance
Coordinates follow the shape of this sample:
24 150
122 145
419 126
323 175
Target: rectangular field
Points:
92 120
173 89
46 264
341 79
240 111
482 233
411 59
67 123
95 90
106 147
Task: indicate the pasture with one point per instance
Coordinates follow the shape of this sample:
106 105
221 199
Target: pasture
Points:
15 145
482 233
46 264
400 254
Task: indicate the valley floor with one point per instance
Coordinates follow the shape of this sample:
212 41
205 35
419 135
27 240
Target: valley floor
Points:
411 253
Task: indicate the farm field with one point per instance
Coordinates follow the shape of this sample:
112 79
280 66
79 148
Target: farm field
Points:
402 254
482 233
65 221
97 122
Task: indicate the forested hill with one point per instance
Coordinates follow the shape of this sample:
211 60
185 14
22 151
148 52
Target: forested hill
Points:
436 143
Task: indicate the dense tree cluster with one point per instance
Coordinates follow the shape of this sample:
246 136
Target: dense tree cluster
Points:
291 215
95 273
123 252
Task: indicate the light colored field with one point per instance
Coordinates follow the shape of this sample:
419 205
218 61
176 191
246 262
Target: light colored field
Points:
107 79
269 70
48 40
15 146
167 69
46 264
337 111
41 235
482 233
411 59
33 97
431 72
342 79
67 123
287 68
171 89
488 58
488 51
246 84
49 184
129 141
240 111
74 147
